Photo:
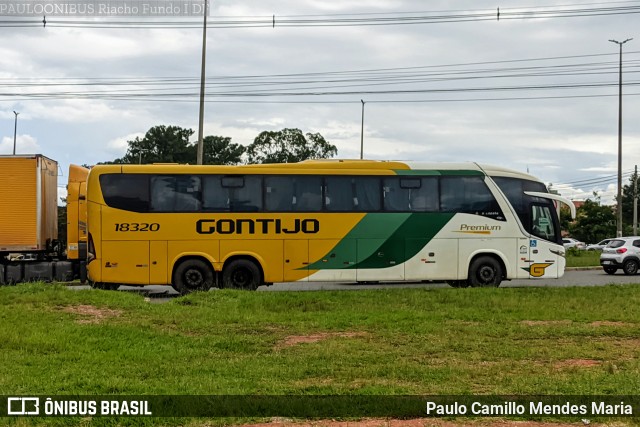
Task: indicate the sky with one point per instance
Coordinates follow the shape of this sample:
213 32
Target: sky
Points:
441 81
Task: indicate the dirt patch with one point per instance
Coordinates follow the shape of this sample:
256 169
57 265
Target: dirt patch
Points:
577 363
91 313
292 340
546 322
610 323
419 422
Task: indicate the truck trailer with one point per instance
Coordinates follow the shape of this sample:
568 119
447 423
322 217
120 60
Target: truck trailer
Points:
30 249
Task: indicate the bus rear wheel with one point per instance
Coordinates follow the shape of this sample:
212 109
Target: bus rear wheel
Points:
241 274
485 271
192 275
610 270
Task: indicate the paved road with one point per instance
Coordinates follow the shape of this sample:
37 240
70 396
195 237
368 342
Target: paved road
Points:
594 277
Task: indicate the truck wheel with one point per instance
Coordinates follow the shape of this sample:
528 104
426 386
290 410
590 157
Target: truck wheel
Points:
485 271
630 267
242 274
610 270
192 275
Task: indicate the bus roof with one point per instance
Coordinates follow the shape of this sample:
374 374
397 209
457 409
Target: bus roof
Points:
307 166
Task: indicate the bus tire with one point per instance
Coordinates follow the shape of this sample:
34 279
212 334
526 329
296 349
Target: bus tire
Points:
485 271
241 274
192 275
610 270
630 267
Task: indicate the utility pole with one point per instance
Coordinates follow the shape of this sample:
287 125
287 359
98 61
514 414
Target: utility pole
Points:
200 151
635 202
619 231
15 131
362 133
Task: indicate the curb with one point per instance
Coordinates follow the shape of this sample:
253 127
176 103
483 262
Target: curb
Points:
583 268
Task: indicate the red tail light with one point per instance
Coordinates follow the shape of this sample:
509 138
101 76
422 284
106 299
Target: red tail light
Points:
621 250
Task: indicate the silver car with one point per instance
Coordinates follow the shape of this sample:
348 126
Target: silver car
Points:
622 252
598 246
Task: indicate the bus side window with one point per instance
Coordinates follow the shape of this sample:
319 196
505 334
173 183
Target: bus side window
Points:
215 198
247 198
339 194
425 198
279 195
396 192
127 192
366 193
175 193
308 194
468 194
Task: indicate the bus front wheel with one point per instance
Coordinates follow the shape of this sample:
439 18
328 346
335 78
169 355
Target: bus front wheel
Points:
485 271
241 274
192 275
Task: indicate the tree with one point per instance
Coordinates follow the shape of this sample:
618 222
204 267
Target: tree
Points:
161 144
170 144
289 146
219 150
594 222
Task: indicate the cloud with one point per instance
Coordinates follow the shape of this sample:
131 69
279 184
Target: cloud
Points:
559 139
25 144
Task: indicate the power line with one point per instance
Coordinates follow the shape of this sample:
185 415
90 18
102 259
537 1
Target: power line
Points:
338 20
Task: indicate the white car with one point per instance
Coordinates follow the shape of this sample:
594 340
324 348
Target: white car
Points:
569 242
622 253
598 246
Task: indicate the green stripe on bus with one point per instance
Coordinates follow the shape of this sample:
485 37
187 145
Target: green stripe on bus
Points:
381 225
408 234
414 234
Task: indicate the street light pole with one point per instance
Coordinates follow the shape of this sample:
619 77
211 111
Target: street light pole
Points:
15 131
619 230
362 133
200 150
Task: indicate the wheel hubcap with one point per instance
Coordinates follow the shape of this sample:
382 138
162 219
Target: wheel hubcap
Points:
486 274
241 278
193 278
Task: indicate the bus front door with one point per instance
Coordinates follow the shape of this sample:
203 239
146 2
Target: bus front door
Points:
543 255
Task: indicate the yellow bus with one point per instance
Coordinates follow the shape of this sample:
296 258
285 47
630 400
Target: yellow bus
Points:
197 227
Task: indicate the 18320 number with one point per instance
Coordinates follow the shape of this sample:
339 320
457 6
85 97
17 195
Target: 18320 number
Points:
137 226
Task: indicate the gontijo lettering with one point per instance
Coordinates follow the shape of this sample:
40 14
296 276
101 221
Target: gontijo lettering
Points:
257 226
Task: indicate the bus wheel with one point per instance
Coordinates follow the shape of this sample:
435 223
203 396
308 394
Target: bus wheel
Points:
485 271
241 274
192 275
458 283
610 270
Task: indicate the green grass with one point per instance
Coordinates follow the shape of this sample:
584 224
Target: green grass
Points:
571 341
577 258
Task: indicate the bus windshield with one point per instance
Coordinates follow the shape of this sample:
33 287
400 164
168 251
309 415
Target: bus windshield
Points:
535 213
